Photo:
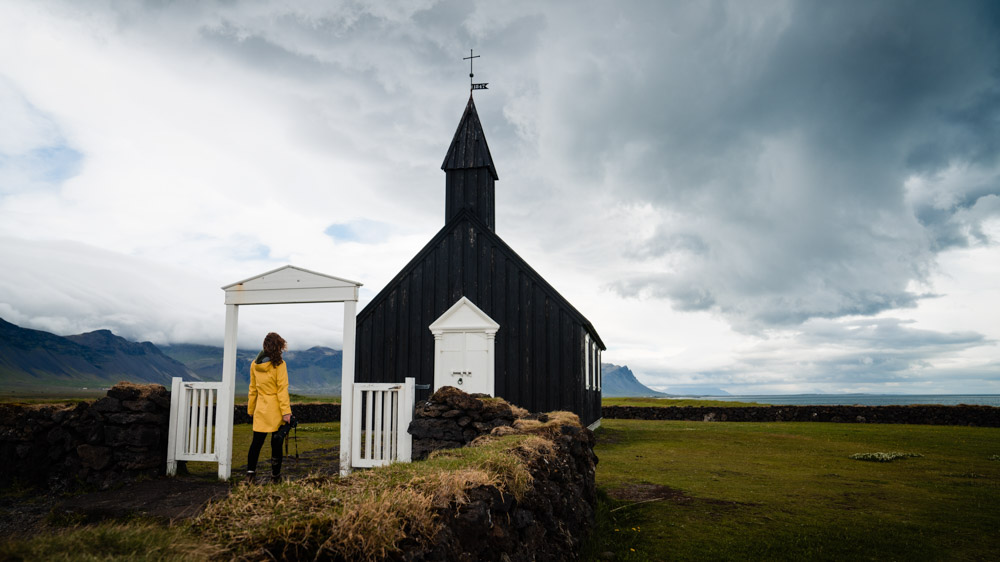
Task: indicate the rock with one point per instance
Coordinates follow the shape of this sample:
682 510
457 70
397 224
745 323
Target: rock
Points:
135 436
523 518
136 459
129 418
94 457
140 405
107 404
457 399
57 436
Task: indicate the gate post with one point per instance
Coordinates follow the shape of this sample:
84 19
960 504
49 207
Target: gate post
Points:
227 395
407 401
175 395
347 385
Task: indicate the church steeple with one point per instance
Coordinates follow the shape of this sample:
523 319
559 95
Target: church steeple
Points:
469 170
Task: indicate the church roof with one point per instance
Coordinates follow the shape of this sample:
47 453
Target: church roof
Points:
468 147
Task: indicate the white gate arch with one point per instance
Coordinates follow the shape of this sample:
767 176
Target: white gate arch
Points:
285 285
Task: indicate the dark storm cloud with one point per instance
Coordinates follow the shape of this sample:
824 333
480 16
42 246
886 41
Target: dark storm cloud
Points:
784 153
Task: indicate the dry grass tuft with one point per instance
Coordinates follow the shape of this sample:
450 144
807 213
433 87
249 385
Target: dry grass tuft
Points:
142 391
550 427
367 515
519 412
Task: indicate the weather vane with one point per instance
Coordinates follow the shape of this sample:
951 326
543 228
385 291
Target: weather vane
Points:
474 86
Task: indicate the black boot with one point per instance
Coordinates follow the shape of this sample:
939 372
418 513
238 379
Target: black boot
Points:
275 471
250 477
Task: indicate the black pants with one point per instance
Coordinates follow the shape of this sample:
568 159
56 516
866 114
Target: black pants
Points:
257 444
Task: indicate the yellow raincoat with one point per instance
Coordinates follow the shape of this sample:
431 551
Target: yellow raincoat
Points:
268 399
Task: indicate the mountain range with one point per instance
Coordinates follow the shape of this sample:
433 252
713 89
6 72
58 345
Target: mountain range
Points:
34 360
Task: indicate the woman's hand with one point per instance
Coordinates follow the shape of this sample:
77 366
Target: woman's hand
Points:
287 418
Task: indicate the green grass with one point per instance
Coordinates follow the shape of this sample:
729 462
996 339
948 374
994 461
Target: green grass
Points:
673 402
311 436
790 491
134 540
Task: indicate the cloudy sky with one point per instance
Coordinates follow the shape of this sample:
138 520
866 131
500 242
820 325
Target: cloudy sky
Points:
759 196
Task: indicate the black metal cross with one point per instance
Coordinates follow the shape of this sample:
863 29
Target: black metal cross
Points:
472 85
469 58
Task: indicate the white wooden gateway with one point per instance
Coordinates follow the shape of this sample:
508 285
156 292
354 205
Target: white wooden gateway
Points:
465 349
197 410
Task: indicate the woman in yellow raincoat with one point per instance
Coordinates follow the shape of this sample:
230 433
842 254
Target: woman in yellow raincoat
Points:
268 403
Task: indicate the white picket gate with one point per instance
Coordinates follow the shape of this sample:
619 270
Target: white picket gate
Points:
382 413
193 433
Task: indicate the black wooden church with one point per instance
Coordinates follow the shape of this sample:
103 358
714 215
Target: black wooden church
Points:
468 312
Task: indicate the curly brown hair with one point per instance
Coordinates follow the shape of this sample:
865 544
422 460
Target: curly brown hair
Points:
273 346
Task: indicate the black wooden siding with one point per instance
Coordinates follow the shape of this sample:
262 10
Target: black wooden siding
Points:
539 359
472 189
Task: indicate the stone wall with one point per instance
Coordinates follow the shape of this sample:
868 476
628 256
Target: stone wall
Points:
119 438
451 418
305 413
554 517
982 416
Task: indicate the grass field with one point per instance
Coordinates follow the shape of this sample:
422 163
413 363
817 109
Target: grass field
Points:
790 491
724 491
310 436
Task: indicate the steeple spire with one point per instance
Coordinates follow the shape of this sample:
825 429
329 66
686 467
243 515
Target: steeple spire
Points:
469 170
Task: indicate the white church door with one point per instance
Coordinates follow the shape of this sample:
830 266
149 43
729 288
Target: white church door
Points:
465 359
464 342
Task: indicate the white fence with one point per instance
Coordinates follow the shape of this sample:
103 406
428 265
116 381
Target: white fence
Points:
194 430
382 414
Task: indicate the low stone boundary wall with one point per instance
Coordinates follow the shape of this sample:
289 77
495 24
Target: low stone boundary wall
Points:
982 416
119 438
305 413
554 517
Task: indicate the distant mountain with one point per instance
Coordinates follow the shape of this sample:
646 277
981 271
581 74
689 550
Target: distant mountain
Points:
313 370
617 382
38 360
694 390
206 361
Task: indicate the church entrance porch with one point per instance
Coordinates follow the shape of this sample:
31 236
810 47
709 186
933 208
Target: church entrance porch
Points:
464 349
